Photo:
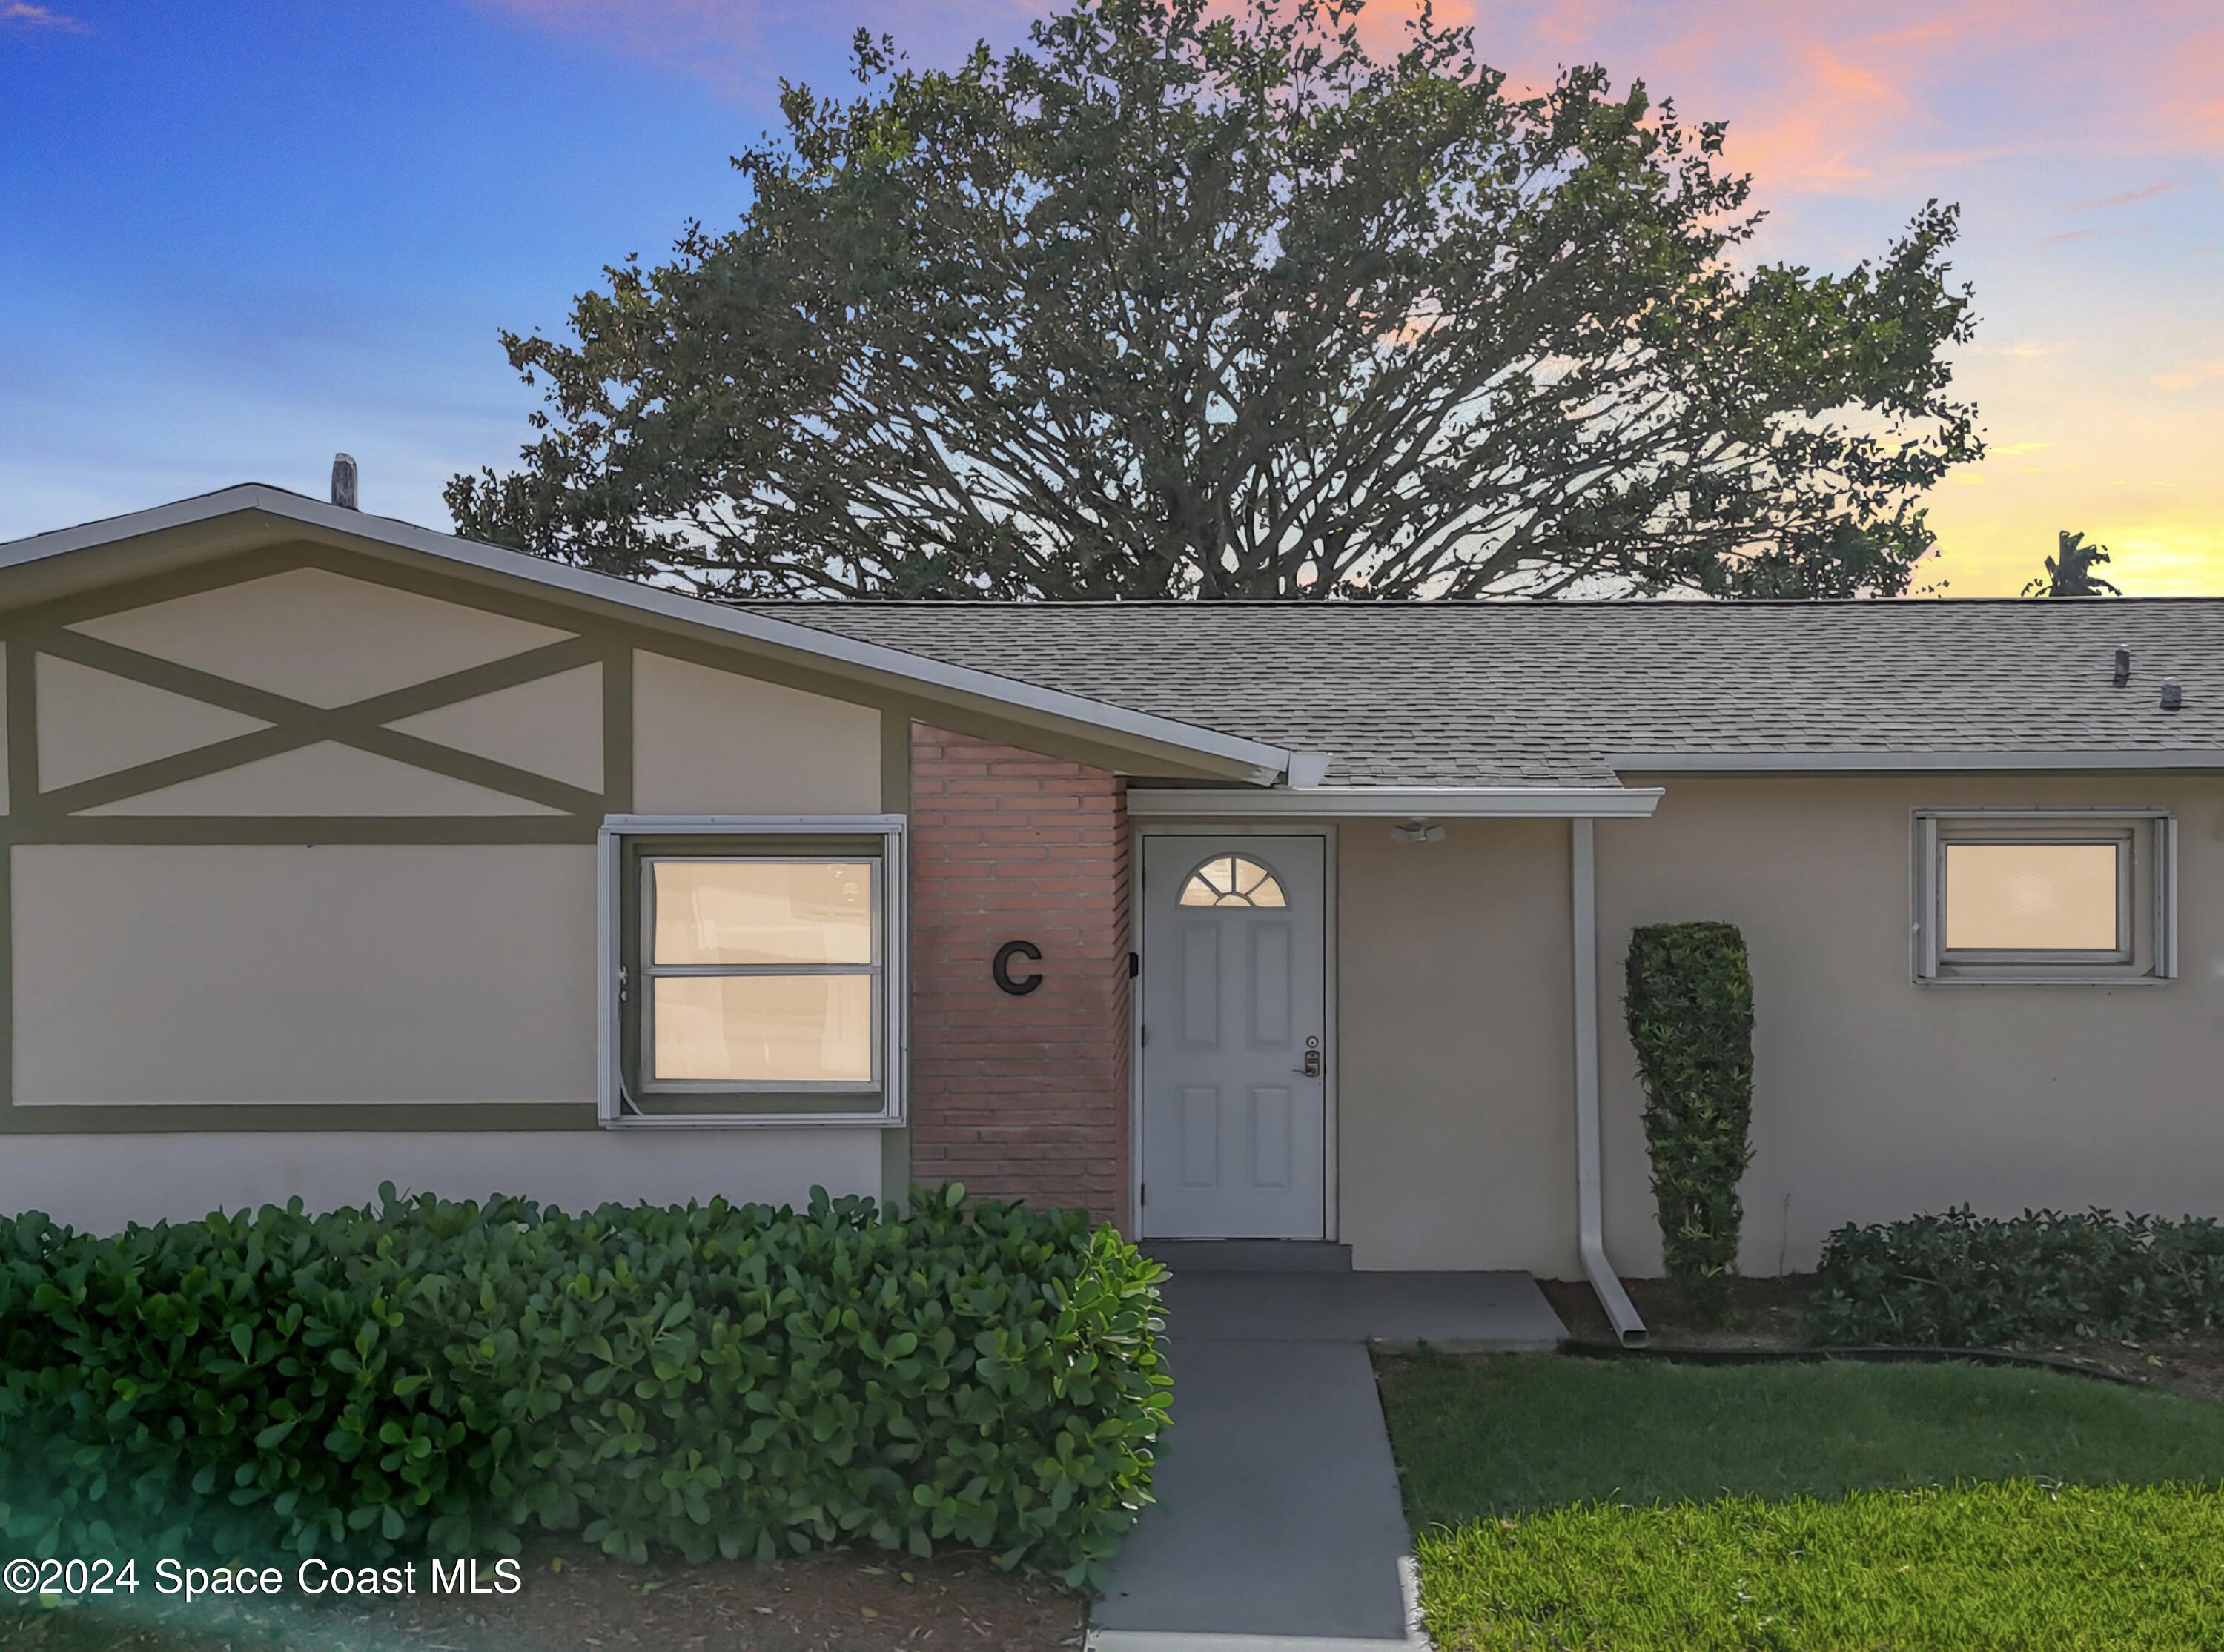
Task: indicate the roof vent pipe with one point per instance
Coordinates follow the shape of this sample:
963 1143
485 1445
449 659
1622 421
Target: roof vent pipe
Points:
2172 697
344 481
2123 666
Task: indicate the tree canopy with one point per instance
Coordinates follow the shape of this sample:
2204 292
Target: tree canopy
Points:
1168 303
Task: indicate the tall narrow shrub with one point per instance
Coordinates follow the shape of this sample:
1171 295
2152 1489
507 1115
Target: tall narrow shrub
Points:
1690 1018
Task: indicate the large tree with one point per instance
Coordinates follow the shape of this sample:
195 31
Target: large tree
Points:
1167 303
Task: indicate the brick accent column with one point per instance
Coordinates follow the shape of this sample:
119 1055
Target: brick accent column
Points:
1019 1097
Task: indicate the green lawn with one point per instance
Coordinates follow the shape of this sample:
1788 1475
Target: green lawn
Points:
1630 1506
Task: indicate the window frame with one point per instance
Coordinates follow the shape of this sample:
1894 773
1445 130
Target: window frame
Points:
625 1018
2147 844
1232 899
651 972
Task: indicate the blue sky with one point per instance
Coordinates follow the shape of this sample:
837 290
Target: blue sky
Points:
239 238
236 237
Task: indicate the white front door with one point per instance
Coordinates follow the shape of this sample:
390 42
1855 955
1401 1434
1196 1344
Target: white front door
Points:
1234 1037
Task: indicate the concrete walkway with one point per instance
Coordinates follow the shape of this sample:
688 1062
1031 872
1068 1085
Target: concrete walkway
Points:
1279 1526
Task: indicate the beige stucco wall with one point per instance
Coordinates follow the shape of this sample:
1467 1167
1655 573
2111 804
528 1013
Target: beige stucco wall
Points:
708 742
292 975
1874 1098
1455 1020
551 725
91 723
318 636
101 1183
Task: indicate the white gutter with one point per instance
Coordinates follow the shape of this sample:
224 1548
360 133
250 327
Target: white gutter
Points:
1590 1203
1397 802
1881 762
1263 762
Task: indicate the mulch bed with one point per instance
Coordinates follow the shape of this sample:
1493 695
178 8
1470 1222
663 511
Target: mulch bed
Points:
1767 1314
576 1600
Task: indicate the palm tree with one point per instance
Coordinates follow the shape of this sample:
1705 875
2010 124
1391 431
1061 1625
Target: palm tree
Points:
2070 571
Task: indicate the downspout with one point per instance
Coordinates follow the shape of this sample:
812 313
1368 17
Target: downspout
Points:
1590 1218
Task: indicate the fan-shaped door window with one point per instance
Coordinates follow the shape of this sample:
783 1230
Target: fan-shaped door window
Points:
1232 880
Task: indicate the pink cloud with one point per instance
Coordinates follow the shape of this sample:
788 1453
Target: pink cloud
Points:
1838 99
2190 111
2124 199
1880 100
24 14
1828 97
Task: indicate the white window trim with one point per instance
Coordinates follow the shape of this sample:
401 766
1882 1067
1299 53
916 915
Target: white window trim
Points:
1931 966
890 1059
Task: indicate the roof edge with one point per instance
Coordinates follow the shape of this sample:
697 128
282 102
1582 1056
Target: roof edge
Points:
1261 763
1907 762
1398 803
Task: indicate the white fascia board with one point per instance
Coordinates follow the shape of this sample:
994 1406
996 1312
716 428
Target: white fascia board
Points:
1397 802
1265 762
1906 762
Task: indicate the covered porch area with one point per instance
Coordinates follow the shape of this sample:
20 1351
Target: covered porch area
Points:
1422 1109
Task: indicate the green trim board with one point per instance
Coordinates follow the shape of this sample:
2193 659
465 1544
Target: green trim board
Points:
127 592
132 1118
23 719
244 829
895 764
241 567
295 724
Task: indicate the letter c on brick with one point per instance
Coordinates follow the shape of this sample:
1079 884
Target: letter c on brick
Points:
1017 985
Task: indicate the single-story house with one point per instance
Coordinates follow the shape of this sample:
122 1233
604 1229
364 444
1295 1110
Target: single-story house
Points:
340 851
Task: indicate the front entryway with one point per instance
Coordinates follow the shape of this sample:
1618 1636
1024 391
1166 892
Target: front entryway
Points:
1235 1037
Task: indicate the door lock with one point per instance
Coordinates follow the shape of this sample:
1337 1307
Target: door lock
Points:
1312 1067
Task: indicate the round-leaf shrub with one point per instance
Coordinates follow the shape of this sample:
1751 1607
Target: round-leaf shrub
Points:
1689 1002
1958 1279
715 1379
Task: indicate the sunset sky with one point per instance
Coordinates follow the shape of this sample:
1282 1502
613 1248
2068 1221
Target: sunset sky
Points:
234 238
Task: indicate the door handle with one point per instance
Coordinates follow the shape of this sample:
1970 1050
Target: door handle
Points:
1312 1067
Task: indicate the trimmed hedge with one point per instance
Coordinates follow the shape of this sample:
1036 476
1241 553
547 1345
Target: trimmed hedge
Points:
1961 1280
716 1379
1691 1020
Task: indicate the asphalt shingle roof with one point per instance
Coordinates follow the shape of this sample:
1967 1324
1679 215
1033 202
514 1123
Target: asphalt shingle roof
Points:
1543 693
